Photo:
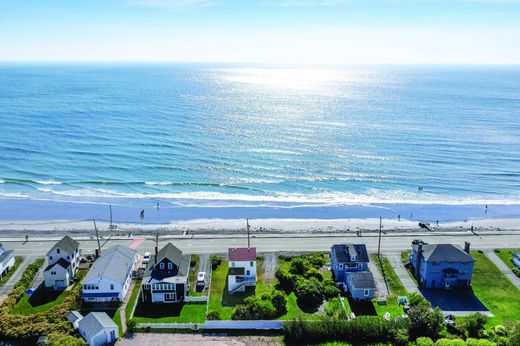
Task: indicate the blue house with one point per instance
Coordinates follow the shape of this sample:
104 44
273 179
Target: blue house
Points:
441 265
349 263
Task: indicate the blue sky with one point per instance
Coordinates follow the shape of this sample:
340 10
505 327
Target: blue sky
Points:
264 31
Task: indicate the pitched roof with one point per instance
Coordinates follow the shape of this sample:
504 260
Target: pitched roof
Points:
66 244
443 253
61 262
73 316
363 280
170 252
242 253
95 322
6 254
114 264
343 252
173 254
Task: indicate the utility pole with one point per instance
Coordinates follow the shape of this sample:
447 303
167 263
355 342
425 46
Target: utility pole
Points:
111 227
379 242
97 236
248 243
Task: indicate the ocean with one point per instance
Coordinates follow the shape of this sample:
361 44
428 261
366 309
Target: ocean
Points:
227 140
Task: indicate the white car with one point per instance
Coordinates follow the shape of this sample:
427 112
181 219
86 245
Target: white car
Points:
146 257
201 278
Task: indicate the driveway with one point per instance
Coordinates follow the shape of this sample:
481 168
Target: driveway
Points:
270 264
400 270
382 289
503 267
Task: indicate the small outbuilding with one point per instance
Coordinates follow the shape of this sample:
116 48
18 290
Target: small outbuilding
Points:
98 329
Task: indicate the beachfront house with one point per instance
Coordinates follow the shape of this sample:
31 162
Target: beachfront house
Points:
109 277
6 261
241 268
441 265
98 329
62 263
166 276
349 264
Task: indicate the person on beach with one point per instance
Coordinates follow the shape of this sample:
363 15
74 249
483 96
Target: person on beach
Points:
142 215
485 210
157 206
26 238
399 218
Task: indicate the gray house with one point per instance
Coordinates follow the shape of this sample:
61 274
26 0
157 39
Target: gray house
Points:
98 329
441 265
349 263
166 276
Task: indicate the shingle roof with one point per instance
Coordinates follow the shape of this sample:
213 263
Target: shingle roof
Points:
344 251
95 322
443 253
172 253
114 264
61 262
363 280
73 316
66 244
242 254
6 254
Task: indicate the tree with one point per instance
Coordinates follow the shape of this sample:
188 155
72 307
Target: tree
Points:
285 279
299 266
425 321
314 273
279 300
131 325
213 316
514 334
474 325
309 292
215 262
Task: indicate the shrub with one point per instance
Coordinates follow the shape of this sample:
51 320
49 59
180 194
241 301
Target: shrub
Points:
213 316
309 293
314 273
131 325
424 341
474 324
56 339
425 321
330 291
500 330
285 279
279 300
479 342
215 262
450 342
255 309
316 260
299 266
514 334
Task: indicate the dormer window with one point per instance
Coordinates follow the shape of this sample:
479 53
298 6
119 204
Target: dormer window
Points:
170 265
353 258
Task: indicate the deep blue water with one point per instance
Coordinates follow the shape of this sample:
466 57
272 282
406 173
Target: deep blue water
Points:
225 135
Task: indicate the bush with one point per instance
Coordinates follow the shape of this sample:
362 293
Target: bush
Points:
255 309
56 339
279 300
299 266
213 316
474 325
424 341
425 321
500 330
285 279
514 334
450 342
215 262
314 273
309 293
479 342
131 325
330 291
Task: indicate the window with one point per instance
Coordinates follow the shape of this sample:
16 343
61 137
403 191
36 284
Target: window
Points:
57 250
367 292
353 258
68 257
232 264
161 265
50 257
360 266
341 266
170 265
112 287
53 273
251 263
248 272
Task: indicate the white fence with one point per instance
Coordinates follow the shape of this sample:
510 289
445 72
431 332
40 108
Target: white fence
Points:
191 299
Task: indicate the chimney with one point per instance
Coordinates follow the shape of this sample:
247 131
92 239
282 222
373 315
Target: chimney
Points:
418 262
466 247
156 247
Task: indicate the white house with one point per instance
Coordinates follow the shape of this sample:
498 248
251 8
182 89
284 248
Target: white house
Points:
62 263
109 277
6 261
98 329
74 317
241 269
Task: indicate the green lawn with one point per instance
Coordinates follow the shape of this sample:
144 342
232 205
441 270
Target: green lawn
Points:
17 261
133 299
170 313
394 284
495 291
506 255
44 299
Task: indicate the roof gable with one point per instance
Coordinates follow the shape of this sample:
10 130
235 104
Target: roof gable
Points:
66 244
114 264
61 262
242 254
343 252
94 323
444 253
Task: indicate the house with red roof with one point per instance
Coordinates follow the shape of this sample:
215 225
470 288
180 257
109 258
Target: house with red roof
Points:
241 268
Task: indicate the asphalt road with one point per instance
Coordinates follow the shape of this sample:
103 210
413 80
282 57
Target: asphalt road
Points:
389 244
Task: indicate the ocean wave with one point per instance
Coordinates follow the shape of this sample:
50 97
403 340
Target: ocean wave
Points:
48 182
208 198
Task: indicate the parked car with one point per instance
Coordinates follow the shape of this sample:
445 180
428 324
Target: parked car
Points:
146 257
516 259
201 278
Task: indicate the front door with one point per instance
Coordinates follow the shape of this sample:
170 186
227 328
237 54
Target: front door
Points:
113 335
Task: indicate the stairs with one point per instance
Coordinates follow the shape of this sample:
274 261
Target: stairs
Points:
244 283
